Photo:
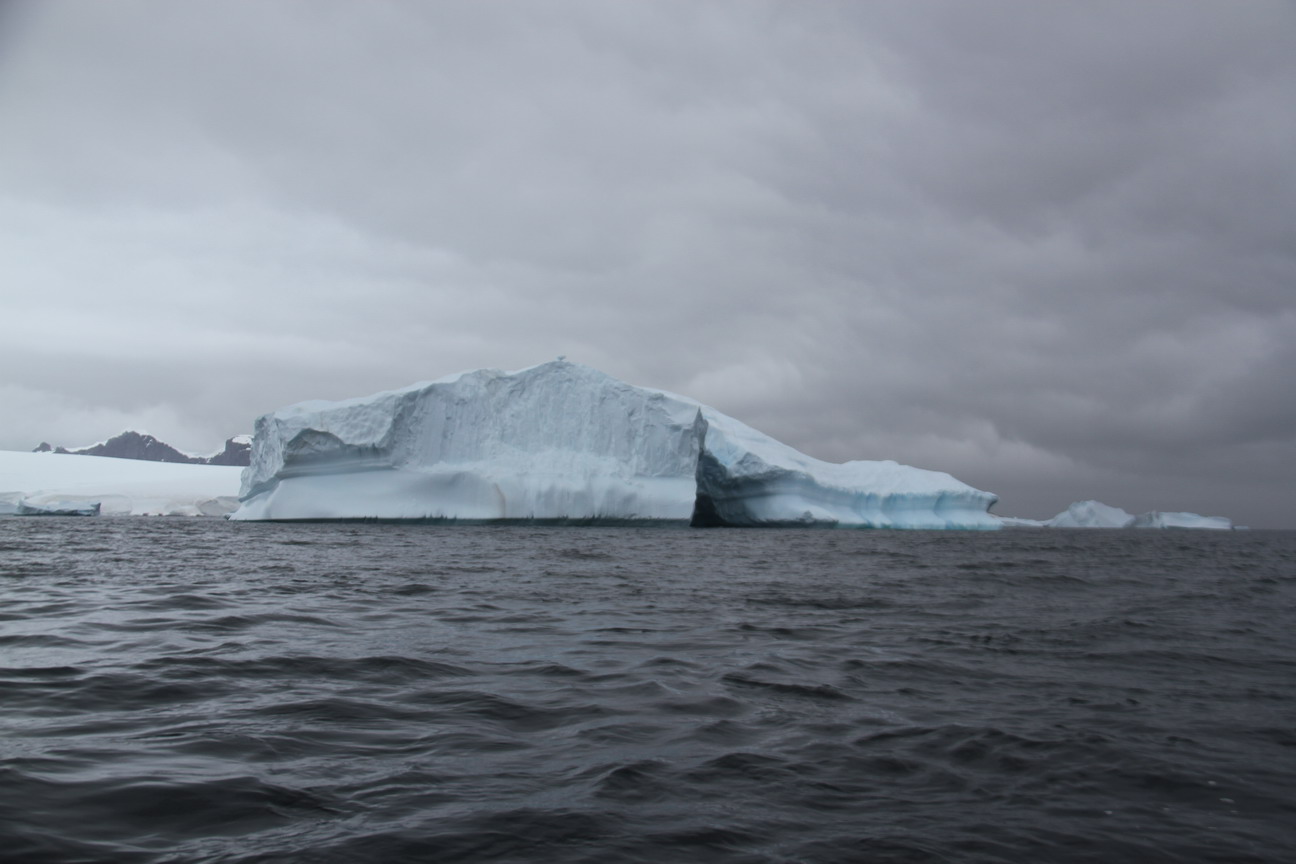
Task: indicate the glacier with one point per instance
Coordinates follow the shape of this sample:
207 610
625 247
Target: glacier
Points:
564 442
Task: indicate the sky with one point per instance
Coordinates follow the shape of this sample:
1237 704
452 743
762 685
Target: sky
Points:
1049 248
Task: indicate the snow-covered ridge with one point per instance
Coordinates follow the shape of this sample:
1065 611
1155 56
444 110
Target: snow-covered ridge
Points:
563 441
123 487
143 446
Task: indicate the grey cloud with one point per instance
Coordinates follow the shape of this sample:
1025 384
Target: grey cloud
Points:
1042 246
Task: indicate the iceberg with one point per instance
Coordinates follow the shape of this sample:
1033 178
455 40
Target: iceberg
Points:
1091 514
118 487
1160 519
59 508
1095 514
567 443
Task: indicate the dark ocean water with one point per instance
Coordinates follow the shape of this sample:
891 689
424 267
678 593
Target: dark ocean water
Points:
199 690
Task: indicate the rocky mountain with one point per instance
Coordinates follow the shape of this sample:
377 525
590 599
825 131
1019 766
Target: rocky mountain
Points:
238 451
135 445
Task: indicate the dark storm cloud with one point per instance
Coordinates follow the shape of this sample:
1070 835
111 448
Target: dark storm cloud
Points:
1045 247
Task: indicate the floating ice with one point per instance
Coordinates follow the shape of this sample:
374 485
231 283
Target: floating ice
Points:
1095 514
561 441
1091 514
58 508
1159 519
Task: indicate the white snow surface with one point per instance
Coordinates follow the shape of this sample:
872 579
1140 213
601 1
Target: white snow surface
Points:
562 441
125 487
1095 514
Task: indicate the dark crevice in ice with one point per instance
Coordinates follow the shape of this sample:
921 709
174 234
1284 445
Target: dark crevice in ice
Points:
705 514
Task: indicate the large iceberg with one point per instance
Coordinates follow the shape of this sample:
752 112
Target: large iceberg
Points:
564 442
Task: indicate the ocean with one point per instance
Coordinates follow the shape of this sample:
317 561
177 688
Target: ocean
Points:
195 690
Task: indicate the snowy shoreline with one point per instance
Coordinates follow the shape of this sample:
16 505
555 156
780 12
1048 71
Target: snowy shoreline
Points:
123 487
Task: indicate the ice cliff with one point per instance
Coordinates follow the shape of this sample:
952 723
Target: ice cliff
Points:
561 441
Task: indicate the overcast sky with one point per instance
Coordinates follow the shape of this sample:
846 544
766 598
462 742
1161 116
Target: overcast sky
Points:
1047 247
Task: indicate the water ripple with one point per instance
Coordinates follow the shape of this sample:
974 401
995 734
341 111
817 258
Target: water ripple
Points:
197 690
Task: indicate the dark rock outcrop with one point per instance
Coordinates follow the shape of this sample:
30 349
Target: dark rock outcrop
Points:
135 445
238 452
